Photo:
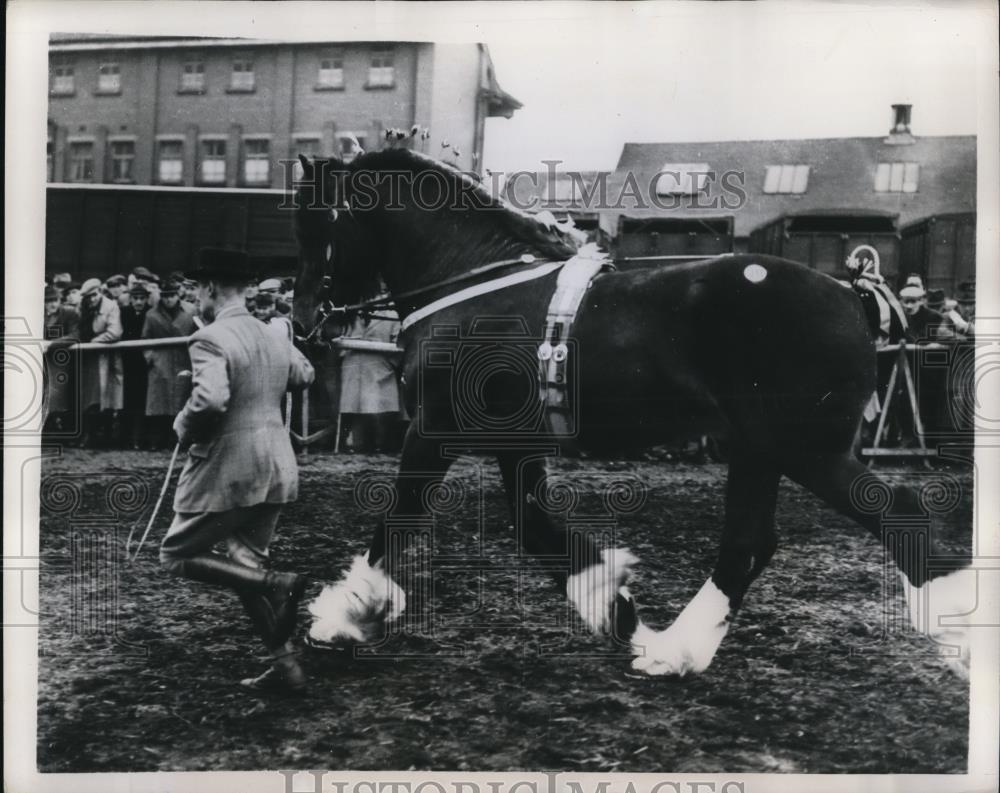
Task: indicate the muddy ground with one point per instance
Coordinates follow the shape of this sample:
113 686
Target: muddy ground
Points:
137 671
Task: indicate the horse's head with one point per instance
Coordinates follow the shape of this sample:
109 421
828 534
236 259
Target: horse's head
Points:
338 257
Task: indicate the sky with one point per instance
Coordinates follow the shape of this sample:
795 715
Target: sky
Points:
725 72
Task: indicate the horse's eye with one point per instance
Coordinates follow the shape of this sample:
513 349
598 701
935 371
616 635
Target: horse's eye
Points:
329 253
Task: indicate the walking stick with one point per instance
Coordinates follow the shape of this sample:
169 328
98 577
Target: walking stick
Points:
156 509
185 375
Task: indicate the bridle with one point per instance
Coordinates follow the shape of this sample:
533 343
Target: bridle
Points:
367 307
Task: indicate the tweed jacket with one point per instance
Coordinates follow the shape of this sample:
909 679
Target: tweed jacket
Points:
240 453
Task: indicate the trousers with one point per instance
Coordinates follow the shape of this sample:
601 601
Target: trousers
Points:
246 531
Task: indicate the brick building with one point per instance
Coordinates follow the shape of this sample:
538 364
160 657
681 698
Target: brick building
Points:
201 112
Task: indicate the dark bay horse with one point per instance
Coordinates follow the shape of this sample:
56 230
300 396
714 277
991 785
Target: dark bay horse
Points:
773 353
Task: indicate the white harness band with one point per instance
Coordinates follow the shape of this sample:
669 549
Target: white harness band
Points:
477 290
553 353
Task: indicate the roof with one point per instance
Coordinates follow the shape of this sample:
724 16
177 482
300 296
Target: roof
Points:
500 102
841 175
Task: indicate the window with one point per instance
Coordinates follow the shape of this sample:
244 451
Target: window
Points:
382 73
81 162
109 79
62 77
682 178
171 162
897 177
786 179
122 160
242 78
309 147
331 71
50 163
351 145
193 76
213 161
257 161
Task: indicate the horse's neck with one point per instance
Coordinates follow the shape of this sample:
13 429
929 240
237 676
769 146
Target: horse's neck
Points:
415 265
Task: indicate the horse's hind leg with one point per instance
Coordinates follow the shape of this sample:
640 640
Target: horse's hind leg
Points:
939 598
592 577
748 542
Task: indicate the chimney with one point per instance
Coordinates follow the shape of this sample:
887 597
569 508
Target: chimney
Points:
900 134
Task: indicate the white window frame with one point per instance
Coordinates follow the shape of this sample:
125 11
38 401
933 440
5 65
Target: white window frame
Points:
243 75
682 178
331 76
115 157
897 177
168 178
382 68
193 74
256 160
212 169
73 148
63 77
786 179
109 77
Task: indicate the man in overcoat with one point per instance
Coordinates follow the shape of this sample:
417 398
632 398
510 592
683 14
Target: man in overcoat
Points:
101 373
134 366
61 322
241 468
166 392
369 389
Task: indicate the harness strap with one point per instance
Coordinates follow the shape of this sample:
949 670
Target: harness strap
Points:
553 353
479 289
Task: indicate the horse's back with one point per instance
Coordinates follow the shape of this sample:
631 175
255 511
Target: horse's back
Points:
760 344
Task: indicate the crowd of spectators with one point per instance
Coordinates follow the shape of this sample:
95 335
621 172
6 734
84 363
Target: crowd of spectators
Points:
129 398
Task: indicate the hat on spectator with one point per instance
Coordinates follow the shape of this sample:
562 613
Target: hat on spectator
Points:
264 299
914 280
270 285
966 292
61 278
176 277
169 288
51 293
935 298
146 275
912 291
68 286
116 280
138 291
225 265
90 285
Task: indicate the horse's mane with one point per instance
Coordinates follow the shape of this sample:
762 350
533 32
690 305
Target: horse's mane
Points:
521 226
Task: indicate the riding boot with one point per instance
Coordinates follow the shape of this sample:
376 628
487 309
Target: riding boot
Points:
270 599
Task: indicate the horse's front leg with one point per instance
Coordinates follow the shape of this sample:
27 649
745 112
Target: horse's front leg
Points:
748 542
358 607
593 578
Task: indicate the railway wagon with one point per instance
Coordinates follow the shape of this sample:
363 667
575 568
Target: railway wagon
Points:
824 240
644 241
98 230
941 249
